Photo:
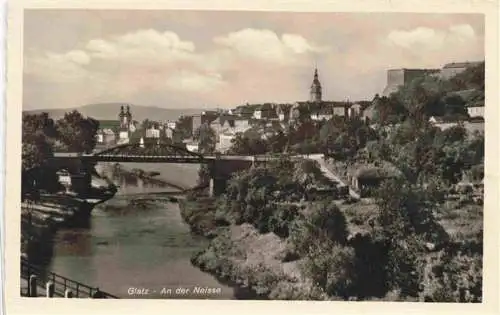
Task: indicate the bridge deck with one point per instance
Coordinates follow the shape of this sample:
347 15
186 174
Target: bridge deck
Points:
172 158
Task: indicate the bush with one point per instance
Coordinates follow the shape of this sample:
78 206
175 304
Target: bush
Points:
454 278
331 268
325 224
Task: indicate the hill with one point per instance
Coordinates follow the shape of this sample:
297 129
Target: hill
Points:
109 111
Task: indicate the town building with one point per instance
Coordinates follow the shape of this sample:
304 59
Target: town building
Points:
452 69
283 112
355 110
222 122
316 108
116 131
126 125
204 117
265 111
225 140
444 123
476 110
171 124
400 77
244 111
153 131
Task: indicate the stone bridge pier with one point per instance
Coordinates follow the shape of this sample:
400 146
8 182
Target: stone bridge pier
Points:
221 171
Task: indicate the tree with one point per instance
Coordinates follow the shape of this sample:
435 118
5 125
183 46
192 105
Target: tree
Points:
278 142
206 139
41 123
324 224
35 152
77 132
184 126
37 134
405 222
248 143
328 134
454 105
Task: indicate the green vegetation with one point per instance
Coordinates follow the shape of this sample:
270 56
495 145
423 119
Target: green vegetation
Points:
419 239
41 136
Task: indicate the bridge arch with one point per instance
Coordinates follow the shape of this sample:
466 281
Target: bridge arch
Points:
148 150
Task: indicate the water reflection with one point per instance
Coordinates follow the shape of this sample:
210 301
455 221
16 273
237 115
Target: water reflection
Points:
134 241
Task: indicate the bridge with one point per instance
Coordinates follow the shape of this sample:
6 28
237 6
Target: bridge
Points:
161 153
221 166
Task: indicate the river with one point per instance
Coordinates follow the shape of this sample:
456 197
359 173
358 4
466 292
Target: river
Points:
135 243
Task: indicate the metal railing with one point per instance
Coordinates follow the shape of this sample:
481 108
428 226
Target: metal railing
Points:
61 284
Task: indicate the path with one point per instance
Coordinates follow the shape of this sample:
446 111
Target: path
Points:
329 174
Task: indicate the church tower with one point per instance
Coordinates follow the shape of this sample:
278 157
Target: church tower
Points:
123 119
128 115
315 92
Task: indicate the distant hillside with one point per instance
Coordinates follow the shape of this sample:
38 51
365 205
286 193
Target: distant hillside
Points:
109 111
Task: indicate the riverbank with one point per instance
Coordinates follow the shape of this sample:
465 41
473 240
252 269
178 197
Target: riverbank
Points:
243 258
41 219
257 263
137 239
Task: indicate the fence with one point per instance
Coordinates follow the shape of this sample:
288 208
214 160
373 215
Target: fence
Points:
57 285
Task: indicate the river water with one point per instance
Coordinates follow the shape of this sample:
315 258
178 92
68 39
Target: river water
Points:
135 243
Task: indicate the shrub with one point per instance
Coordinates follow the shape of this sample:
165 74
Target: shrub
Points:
454 278
331 268
326 224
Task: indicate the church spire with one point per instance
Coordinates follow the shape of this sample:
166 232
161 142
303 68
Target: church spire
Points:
315 92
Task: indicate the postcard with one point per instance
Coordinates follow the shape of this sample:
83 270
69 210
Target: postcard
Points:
236 157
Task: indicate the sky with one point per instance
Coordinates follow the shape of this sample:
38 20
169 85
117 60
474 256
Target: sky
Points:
203 59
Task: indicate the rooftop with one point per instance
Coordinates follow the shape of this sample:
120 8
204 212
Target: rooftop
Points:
109 124
461 64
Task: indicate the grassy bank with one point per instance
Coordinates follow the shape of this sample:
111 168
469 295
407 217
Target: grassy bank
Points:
199 213
254 261
266 237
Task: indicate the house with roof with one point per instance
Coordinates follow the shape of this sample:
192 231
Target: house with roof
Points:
222 122
475 109
153 131
265 111
325 113
444 122
245 111
366 178
283 111
473 100
171 124
355 110
226 140
204 117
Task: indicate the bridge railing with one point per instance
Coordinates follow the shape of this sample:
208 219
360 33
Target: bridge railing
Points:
61 285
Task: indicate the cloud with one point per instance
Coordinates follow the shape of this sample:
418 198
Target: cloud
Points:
266 45
232 67
69 66
154 61
424 38
142 47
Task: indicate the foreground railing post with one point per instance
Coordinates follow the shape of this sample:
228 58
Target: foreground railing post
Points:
32 286
50 289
